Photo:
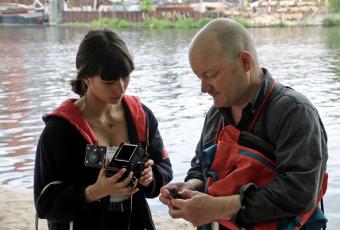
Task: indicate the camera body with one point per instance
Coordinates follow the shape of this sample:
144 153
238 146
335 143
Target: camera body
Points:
95 156
129 156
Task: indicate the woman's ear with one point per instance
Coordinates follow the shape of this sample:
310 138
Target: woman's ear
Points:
86 81
246 59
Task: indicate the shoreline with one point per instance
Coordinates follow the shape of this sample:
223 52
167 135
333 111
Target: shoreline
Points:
17 213
258 20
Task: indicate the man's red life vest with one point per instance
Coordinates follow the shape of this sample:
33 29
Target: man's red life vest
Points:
241 166
236 165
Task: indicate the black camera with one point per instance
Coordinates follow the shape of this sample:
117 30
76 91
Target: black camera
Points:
95 156
129 156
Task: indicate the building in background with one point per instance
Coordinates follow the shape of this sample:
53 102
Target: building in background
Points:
263 12
23 12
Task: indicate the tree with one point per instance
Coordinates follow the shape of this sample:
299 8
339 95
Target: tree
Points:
334 5
146 5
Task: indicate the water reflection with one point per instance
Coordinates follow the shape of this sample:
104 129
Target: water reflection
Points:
332 40
35 74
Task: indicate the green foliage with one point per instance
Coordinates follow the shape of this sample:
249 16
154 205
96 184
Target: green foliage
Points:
185 24
153 23
190 23
179 24
331 22
334 5
146 5
202 22
96 24
157 23
112 23
243 22
75 24
279 24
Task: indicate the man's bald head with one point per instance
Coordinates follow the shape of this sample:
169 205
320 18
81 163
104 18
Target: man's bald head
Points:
231 36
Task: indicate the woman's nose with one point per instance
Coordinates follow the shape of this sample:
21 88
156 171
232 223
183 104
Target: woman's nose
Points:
120 85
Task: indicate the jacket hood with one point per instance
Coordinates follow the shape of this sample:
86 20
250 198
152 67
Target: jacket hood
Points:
68 111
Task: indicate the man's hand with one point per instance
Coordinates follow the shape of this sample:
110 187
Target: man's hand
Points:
199 208
165 192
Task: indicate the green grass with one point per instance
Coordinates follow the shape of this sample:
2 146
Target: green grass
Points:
112 23
202 22
190 23
279 24
334 5
152 23
185 24
243 22
75 24
331 22
155 23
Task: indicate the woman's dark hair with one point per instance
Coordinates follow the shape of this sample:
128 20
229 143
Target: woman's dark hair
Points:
103 53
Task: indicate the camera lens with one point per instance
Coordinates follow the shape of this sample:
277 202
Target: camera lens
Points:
93 157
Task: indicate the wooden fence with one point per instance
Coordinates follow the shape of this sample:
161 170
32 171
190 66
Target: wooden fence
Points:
171 14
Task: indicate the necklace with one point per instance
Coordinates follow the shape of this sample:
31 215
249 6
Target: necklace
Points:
112 121
82 105
109 124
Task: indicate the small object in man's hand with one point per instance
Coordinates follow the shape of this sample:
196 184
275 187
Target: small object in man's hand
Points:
174 194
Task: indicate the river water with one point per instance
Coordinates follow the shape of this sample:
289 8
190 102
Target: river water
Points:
36 64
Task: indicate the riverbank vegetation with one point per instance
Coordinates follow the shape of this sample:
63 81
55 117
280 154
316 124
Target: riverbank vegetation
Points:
331 22
334 5
155 23
152 23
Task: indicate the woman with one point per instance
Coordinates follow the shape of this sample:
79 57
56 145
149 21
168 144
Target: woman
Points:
67 192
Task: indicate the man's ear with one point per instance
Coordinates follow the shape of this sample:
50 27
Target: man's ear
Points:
246 59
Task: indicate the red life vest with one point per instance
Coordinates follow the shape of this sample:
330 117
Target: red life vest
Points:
236 165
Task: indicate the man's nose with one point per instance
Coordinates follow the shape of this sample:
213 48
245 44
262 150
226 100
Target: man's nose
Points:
204 87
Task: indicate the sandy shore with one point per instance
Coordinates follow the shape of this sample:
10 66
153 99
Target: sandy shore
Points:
17 213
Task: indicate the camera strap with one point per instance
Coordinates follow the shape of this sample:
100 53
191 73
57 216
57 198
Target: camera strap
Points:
36 214
131 207
147 132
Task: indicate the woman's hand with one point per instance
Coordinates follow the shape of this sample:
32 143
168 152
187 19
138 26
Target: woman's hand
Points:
105 186
147 175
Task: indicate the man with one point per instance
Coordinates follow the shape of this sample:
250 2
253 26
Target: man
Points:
271 151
